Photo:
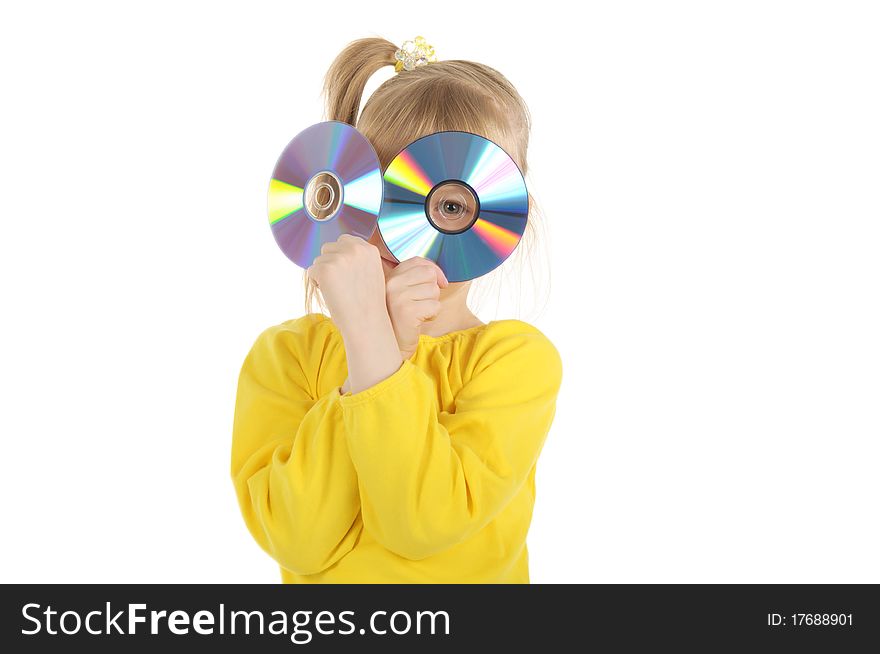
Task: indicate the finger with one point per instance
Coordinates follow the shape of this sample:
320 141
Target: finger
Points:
428 291
411 263
415 275
429 310
349 240
419 308
417 262
427 271
322 258
421 275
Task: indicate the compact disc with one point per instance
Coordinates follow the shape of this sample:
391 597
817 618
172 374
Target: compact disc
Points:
327 182
457 199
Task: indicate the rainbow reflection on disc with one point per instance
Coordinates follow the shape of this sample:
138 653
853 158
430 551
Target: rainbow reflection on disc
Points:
455 166
327 182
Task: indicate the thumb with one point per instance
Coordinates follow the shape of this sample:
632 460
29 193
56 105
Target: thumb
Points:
442 282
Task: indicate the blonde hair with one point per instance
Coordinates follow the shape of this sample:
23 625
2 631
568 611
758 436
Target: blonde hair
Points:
445 95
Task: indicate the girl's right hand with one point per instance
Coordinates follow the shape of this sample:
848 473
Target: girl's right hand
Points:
349 274
412 292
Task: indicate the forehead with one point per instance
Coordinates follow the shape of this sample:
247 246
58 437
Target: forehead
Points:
391 123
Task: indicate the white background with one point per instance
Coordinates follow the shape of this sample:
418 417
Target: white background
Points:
709 173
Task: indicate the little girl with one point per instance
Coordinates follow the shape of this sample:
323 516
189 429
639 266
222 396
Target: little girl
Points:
396 442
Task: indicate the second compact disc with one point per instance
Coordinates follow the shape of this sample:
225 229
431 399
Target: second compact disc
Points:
457 199
327 182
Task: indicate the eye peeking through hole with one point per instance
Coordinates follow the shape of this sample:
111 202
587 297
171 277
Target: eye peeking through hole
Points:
452 206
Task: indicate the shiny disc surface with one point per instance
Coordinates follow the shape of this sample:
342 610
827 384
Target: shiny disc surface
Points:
332 164
454 162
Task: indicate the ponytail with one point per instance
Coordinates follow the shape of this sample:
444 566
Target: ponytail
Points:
348 74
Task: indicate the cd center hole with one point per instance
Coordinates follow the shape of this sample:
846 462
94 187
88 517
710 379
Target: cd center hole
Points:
452 207
323 196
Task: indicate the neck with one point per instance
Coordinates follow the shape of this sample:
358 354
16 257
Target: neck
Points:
454 312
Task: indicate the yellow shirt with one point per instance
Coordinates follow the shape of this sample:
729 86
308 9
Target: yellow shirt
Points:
426 477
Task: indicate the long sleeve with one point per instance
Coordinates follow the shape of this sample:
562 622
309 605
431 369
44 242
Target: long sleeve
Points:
295 483
430 479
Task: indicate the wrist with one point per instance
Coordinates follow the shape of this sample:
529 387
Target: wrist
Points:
366 324
371 352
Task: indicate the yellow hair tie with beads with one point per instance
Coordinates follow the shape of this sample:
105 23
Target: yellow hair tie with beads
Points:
413 54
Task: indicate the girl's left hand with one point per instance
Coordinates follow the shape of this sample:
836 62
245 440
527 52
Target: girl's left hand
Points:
412 291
